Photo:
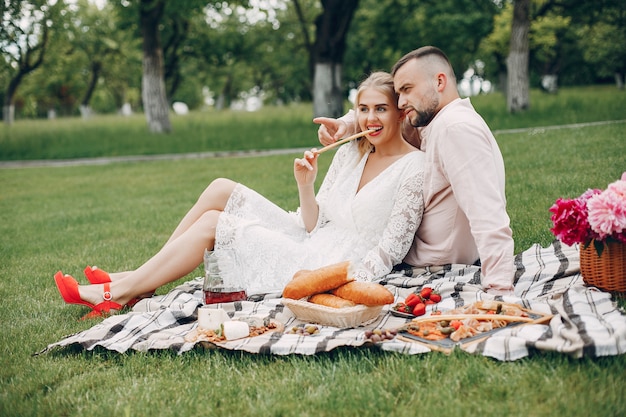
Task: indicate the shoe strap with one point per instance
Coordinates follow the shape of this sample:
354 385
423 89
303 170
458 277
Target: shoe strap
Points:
106 295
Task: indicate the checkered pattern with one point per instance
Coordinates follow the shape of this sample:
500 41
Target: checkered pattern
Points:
585 322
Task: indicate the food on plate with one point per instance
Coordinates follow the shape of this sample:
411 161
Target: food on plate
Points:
309 282
228 332
233 330
330 300
419 309
415 303
428 330
367 293
412 300
467 321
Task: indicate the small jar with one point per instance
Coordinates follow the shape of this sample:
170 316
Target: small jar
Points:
215 291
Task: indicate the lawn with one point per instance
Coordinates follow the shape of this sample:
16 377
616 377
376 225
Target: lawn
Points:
117 215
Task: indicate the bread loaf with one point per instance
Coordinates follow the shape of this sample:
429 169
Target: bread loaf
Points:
330 300
368 293
306 283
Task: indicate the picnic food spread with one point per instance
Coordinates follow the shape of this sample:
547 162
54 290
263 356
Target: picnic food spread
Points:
330 296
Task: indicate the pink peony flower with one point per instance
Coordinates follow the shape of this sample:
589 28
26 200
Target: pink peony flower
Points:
607 213
618 188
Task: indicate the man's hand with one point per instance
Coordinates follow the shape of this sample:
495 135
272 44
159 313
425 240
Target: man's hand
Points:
330 129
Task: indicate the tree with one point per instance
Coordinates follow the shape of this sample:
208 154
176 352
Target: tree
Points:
101 43
518 83
153 94
326 54
24 37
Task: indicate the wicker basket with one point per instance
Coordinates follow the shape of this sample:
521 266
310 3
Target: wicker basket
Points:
607 272
346 317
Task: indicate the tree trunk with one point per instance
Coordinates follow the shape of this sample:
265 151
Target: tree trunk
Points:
327 56
8 113
619 80
153 84
28 62
518 97
327 97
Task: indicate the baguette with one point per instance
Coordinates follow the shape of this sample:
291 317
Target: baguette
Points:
368 293
330 300
306 283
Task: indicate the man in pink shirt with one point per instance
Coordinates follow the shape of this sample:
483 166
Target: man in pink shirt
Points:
465 218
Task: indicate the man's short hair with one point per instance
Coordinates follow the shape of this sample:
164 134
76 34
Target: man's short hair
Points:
424 51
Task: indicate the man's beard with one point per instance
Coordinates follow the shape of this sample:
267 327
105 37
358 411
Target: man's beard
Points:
424 117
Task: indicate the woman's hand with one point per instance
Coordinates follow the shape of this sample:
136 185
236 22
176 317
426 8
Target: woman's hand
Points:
305 168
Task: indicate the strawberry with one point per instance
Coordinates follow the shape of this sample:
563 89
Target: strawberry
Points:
419 309
412 300
435 296
425 293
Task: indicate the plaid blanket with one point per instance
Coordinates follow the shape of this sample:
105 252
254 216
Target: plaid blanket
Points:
585 321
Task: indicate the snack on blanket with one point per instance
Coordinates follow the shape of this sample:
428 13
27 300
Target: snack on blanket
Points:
330 300
467 321
306 283
367 293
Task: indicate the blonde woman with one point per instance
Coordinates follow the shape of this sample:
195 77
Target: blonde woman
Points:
367 210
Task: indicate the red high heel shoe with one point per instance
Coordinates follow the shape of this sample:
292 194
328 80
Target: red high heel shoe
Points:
96 275
68 287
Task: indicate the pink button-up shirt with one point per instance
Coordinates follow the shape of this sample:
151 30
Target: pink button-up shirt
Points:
465 218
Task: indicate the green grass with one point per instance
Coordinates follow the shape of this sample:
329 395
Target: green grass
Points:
117 215
273 128
113 135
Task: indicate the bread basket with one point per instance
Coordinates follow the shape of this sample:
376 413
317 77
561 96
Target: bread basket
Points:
608 271
327 316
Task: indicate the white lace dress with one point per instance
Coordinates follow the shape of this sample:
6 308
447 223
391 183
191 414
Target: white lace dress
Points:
260 246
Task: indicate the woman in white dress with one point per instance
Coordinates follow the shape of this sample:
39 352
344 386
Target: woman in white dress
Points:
367 210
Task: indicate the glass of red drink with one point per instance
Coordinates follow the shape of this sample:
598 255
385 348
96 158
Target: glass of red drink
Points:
215 291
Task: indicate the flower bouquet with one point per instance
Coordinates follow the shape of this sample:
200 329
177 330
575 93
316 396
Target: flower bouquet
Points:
597 221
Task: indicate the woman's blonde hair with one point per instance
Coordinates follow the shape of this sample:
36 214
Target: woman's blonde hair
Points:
380 81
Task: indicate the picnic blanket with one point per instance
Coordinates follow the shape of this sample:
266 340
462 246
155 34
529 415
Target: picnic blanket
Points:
585 321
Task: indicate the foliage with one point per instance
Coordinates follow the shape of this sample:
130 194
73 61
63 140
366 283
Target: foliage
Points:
383 32
229 49
600 48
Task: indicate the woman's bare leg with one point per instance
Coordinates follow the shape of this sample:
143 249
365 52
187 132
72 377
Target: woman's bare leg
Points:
214 197
175 260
